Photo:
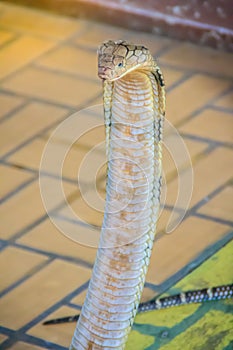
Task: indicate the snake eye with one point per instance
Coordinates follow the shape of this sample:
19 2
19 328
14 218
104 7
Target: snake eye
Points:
120 64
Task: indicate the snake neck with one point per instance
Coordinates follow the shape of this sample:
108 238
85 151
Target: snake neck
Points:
132 202
133 174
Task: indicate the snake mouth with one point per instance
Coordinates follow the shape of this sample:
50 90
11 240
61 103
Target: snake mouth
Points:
102 72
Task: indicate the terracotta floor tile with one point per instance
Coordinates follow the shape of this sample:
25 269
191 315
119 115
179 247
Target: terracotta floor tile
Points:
48 238
178 153
20 52
153 42
207 176
79 164
58 334
25 346
79 232
83 164
79 299
93 133
98 101
16 263
220 206
96 34
72 60
40 292
38 22
8 103
163 220
192 57
30 157
94 137
88 208
27 122
85 128
5 36
12 178
169 165
177 249
195 148
170 75
211 124
84 235
225 101
22 210
87 155
191 95
16 216
52 87
92 167
2 338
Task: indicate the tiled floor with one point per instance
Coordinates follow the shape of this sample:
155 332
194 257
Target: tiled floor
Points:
48 72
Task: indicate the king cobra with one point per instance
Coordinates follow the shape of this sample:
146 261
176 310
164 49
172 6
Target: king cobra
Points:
134 109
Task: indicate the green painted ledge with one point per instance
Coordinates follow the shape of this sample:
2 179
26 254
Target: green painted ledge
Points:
207 326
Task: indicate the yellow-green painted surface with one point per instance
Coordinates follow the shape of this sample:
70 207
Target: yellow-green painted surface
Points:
136 338
213 331
207 326
217 270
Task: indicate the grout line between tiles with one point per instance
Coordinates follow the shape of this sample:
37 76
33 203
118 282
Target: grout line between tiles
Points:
15 110
43 173
194 71
33 99
193 264
26 277
216 143
63 73
215 219
48 254
206 199
186 76
54 307
16 190
15 336
221 109
74 306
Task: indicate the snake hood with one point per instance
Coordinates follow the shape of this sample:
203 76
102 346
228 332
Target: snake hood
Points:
118 58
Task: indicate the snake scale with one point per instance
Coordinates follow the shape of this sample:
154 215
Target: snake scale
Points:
134 110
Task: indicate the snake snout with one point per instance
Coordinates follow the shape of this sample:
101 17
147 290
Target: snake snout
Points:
104 72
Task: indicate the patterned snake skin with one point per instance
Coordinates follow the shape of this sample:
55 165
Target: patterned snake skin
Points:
198 296
134 108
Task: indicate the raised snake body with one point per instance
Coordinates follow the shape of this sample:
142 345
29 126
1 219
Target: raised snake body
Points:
134 103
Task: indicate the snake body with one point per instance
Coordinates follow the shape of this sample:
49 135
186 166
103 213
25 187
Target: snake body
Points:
134 103
195 296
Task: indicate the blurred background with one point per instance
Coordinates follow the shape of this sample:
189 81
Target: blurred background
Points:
51 95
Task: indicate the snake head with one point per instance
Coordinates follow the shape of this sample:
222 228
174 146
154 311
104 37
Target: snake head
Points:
118 58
